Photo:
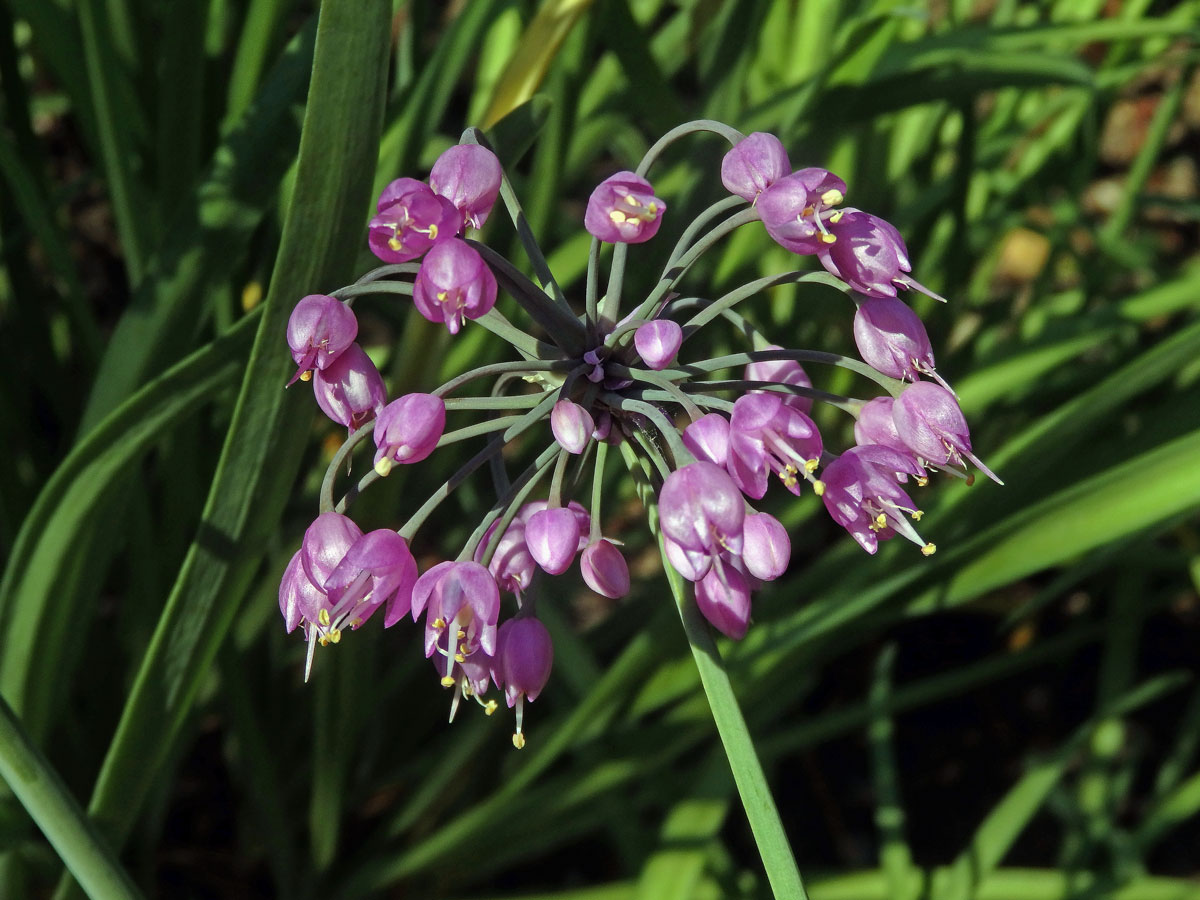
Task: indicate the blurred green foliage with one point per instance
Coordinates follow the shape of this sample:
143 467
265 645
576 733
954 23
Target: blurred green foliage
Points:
164 168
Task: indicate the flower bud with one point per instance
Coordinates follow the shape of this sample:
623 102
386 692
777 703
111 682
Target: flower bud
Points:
754 164
708 438
657 342
318 332
454 284
552 536
624 210
350 390
604 569
723 597
408 430
469 176
572 425
892 340
766 550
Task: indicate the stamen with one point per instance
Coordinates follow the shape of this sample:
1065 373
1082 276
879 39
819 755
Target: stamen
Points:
306 375
929 550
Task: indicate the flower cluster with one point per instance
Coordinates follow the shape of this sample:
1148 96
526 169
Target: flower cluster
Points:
705 450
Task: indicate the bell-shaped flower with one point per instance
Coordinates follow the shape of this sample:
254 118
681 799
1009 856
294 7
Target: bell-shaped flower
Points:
350 390
511 565
521 665
869 255
411 218
754 164
875 425
469 176
623 210
318 332
657 342
766 547
863 495
766 435
461 603
408 430
795 209
604 569
929 420
553 537
454 284
723 597
702 511
708 438
892 340
782 371
380 564
572 425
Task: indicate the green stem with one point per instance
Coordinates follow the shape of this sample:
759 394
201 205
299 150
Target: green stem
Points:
344 451
527 345
849 405
350 291
519 366
41 791
507 506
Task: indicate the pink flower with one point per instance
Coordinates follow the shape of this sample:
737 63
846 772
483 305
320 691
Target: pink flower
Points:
723 596
408 429
754 164
521 665
794 209
869 255
411 219
350 390
572 425
864 497
318 332
461 602
708 438
929 421
553 537
469 176
766 549
604 569
657 342
766 435
454 284
624 210
701 511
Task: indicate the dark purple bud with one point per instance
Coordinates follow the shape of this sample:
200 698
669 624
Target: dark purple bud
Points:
524 657
319 330
754 164
454 284
572 425
892 340
657 342
723 596
929 420
411 219
604 569
350 390
552 536
623 210
766 550
469 177
782 371
408 430
708 438
766 435
701 509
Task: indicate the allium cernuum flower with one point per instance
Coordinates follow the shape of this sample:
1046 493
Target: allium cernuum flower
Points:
461 603
454 284
552 536
701 510
319 330
876 425
657 342
754 164
869 255
521 665
708 438
350 390
892 340
408 429
766 549
411 218
863 495
623 210
929 420
469 176
723 596
571 425
766 435
782 371
795 209
604 569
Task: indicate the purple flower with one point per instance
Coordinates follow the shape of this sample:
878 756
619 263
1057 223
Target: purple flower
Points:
461 603
869 255
875 425
794 209
572 425
553 536
766 435
702 511
929 421
864 497
380 563
892 340
708 438
754 164
411 218
454 284
723 596
782 371
350 390
604 569
766 549
469 177
624 210
522 662
408 430
657 342
319 330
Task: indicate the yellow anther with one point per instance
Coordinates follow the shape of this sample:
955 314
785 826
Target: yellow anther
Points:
828 238
467 692
458 657
653 210
881 520
306 376
323 641
358 620
922 481
837 216
929 550
519 740
396 244
618 217
832 197
439 623
323 617
490 707
818 487
788 479
433 232
970 478
335 636
441 296
811 465
917 513
384 466
460 635
447 681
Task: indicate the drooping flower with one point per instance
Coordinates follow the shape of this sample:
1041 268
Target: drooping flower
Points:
766 435
875 425
782 371
350 390
869 255
461 602
929 420
553 536
708 438
411 218
454 284
766 548
754 164
571 425
469 176
795 209
604 569
701 511
624 210
318 332
521 665
657 342
408 429
892 340
723 596
863 495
